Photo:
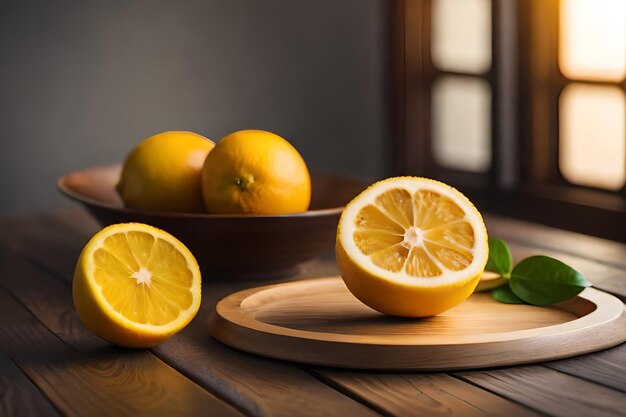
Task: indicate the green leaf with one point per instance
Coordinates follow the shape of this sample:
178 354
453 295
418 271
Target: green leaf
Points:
500 259
541 280
505 295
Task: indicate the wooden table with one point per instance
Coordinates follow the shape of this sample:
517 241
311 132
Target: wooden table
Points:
50 365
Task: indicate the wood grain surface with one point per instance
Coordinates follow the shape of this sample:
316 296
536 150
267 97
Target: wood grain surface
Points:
262 387
18 395
255 385
319 322
551 392
98 373
98 382
544 237
406 395
328 307
607 367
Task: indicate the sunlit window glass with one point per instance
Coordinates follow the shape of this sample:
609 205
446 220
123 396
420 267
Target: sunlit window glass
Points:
593 39
461 32
461 123
592 149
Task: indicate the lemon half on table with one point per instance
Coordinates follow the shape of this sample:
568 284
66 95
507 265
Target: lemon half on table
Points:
136 285
411 247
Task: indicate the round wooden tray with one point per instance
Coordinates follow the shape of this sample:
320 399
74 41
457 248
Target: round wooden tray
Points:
319 322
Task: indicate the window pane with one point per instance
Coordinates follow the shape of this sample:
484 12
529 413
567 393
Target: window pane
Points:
461 31
593 39
461 123
592 139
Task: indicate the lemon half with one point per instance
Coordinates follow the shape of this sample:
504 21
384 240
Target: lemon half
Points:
136 285
411 247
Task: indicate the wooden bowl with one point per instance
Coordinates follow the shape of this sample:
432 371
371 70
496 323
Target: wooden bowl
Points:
228 246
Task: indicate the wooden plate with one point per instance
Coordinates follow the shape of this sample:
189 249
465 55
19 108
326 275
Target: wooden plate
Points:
319 322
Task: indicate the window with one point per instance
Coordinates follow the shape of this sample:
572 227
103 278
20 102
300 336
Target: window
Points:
460 92
592 58
461 109
520 103
591 135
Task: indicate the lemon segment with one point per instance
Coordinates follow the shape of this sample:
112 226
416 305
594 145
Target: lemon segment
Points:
136 285
411 246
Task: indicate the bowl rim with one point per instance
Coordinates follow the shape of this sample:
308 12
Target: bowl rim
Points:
71 194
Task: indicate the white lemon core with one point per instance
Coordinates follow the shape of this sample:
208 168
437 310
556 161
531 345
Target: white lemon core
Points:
143 276
414 236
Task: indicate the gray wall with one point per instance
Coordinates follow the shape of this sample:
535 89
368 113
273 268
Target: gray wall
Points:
81 82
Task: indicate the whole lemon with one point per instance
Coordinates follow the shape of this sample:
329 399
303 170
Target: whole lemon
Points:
257 172
163 173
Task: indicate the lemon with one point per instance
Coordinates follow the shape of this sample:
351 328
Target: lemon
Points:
257 172
411 247
136 285
163 173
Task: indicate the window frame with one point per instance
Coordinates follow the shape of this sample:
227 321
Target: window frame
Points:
524 179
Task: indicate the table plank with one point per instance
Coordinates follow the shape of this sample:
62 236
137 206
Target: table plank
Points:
18 395
44 242
405 395
75 219
549 391
99 383
544 237
258 386
607 367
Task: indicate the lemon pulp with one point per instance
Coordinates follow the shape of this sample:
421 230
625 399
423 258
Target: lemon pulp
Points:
143 278
422 234
136 285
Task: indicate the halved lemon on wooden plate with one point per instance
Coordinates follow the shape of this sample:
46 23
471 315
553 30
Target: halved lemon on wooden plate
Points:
411 247
136 285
